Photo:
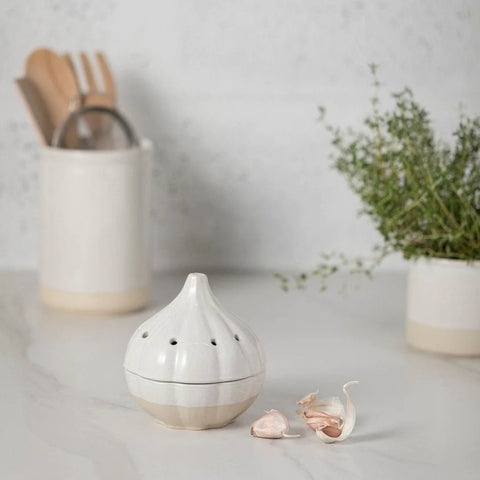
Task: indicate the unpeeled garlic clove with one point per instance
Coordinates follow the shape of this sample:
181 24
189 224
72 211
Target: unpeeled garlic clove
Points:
331 421
322 421
272 425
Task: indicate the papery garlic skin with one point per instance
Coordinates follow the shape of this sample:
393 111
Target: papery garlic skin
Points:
271 425
322 421
330 420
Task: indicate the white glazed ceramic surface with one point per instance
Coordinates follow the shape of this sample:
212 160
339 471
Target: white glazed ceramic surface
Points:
192 365
194 395
193 340
443 306
94 226
194 406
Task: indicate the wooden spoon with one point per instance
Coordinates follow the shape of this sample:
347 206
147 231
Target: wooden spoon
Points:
55 82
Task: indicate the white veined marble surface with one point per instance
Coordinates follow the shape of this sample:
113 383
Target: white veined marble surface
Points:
65 412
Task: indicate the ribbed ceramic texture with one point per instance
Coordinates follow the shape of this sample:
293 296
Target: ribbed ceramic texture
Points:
194 394
192 365
193 340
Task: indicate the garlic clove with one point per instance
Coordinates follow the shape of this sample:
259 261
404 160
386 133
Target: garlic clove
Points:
308 400
271 425
319 420
331 405
330 420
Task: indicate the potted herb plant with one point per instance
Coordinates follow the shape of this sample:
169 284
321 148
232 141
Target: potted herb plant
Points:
423 196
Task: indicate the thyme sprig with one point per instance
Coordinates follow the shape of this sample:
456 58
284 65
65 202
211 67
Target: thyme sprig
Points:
422 194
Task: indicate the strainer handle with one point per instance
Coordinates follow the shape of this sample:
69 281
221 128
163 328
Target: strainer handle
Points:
59 133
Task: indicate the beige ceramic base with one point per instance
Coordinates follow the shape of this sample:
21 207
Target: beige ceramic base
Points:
195 418
95 303
440 340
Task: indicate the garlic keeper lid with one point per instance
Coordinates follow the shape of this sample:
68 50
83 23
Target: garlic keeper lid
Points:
193 340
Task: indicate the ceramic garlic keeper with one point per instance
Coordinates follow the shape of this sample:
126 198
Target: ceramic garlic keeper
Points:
192 365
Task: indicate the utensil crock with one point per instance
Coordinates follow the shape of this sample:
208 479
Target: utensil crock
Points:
94 241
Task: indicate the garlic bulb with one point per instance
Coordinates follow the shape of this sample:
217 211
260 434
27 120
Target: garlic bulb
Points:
331 421
272 425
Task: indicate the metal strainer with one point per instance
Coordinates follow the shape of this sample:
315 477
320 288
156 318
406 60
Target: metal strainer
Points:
94 128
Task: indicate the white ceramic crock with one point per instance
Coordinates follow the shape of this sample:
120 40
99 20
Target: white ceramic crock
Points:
192 365
94 242
443 306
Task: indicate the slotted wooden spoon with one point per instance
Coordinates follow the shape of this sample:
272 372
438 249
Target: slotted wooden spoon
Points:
108 82
92 94
96 96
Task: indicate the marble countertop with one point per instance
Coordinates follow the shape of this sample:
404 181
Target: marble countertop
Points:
65 412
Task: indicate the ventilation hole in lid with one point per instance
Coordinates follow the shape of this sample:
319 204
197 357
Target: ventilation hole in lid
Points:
237 338
173 341
145 335
213 342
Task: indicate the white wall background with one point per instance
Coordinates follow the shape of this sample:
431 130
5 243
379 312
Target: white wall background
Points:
229 91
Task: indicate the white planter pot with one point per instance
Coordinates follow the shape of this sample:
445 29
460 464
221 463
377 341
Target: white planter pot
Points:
443 306
94 242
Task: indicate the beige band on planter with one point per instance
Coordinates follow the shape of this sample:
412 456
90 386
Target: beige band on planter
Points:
195 418
449 341
107 302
